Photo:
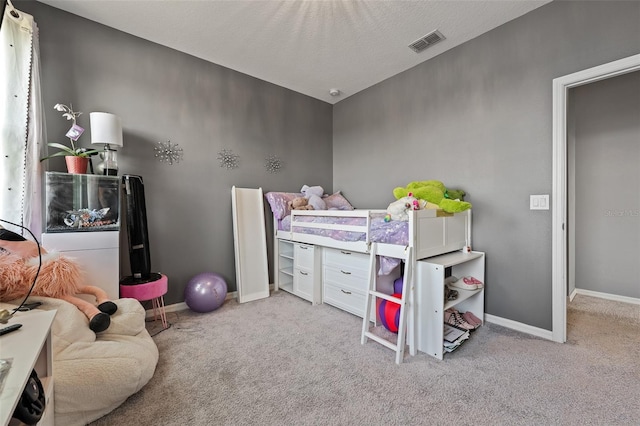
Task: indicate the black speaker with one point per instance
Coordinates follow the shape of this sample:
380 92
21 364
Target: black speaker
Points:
139 254
32 403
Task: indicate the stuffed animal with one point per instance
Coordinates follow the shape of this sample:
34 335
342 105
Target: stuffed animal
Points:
314 196
59 277
398 209
434 191
299 203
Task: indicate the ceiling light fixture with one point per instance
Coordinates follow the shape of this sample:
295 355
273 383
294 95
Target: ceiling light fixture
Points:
334 92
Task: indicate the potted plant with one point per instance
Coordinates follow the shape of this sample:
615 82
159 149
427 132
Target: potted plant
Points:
77 158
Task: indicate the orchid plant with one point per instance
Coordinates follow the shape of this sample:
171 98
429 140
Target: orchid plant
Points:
73 134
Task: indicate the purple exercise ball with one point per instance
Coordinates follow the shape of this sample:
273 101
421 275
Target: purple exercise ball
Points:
398 284
205 292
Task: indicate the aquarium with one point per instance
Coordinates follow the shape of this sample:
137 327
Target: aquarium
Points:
82 202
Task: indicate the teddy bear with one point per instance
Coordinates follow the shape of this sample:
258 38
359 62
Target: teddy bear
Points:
398 209
314 196
299 203
435 192
58 277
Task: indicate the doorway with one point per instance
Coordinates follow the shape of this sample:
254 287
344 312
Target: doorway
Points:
603 148
561 88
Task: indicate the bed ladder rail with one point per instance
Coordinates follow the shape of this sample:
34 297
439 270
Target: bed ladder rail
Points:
372 294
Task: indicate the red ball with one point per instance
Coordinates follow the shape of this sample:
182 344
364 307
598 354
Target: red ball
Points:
389 313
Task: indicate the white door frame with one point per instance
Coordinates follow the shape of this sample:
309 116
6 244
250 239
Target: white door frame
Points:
561 86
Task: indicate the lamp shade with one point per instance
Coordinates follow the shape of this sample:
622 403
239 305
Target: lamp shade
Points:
105 128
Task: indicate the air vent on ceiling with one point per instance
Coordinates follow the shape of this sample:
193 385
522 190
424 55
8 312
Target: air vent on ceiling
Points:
426 41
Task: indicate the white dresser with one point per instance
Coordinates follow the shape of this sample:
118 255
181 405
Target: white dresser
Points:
97 252
344 279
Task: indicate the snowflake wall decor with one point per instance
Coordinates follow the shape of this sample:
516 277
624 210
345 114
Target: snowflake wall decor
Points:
167 152
228 159
273 164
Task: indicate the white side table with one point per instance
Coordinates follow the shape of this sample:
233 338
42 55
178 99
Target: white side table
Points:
31 348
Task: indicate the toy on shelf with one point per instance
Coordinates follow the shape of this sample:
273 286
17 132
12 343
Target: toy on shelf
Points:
436 194
314 194
398 209
299 203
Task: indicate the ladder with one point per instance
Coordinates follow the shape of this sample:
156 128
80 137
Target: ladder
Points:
407 293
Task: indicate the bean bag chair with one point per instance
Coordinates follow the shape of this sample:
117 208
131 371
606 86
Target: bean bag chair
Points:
93 373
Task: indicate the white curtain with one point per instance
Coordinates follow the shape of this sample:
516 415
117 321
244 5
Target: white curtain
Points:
22 142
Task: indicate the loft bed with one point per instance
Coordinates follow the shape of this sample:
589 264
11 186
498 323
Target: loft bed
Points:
426 233
429 232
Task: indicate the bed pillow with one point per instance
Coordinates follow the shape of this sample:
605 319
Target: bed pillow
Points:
279 202
336 201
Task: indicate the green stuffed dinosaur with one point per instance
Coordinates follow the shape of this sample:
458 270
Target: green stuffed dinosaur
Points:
434 191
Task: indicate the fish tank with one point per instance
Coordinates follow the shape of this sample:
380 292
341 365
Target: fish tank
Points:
82 202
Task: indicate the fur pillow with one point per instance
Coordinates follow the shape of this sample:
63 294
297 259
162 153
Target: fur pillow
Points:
58 276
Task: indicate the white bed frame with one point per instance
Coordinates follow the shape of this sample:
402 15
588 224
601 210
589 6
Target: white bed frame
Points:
431 232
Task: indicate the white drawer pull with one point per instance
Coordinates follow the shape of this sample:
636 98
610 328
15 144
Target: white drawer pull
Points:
345 292
304 273
345 272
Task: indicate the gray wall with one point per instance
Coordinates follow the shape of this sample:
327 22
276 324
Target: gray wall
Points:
478 117
606 118
161 95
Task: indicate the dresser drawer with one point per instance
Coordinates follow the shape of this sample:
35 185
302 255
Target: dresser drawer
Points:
303 255
344 298
346 260
355 279
303 284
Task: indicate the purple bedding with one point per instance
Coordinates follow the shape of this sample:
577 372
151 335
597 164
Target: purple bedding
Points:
393 232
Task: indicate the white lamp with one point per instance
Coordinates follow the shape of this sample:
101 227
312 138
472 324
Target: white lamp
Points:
106 129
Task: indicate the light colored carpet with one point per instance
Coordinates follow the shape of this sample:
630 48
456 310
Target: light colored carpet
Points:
281 361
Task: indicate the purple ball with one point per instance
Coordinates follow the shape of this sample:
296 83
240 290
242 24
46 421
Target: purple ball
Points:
205 292
398 284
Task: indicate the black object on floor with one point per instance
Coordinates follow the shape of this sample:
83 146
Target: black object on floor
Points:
139 254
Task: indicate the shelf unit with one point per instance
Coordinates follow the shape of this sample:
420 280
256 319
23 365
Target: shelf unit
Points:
429 296
29 347
284 266
298 267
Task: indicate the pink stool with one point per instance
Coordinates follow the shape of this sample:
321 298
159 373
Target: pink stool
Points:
154 291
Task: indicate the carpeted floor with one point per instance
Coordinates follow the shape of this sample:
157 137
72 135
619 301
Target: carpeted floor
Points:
281 361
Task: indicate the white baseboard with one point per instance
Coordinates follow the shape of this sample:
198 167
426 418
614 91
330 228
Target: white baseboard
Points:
182 306
572 295
546 334
518 326
514 325
608 296
176 307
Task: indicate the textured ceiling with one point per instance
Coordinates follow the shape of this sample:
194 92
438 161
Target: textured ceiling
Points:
308 46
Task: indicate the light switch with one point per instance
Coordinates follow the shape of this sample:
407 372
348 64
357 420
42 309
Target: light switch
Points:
539 202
